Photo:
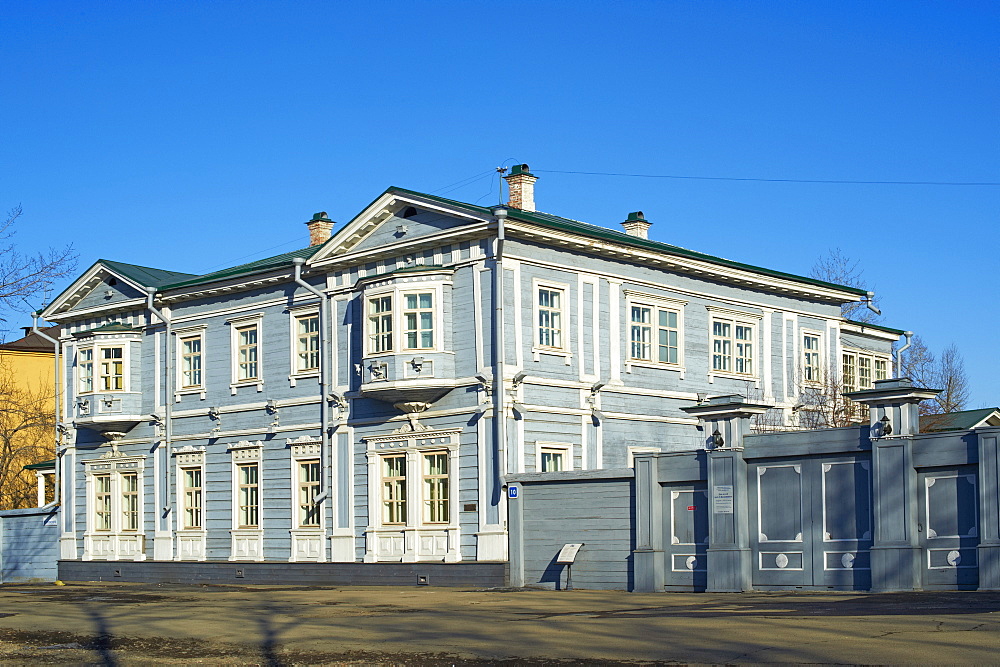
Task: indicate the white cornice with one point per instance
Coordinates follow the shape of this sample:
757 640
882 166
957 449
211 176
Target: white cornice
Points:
83 285
665 260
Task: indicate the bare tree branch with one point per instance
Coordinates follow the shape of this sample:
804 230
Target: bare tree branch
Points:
23 275
836 267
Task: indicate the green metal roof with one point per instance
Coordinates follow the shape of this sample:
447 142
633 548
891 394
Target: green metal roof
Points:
145 275
898 332
41 465
259 266
587 229
110 327
955 421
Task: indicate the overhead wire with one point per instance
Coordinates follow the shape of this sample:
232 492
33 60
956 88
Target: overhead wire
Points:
768 180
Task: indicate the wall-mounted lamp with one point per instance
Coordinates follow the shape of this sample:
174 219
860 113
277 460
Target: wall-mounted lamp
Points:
886 426
518 379
717 439
417 363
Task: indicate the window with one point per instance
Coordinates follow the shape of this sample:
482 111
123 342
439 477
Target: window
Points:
307 343
248 475
550 319
380 324
860 369
192 498
112 373
553 456
309 476
394 489
436 487
811 358
102 502
130 501
865 372
418 320
654 334
732 346
85 366
553 460
191 362
247 355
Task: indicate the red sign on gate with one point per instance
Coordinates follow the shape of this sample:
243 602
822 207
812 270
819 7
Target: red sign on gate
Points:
692 508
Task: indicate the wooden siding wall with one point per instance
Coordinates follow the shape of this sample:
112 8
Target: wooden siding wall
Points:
29 545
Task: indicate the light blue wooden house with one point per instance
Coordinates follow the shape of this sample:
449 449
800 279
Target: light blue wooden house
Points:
352 410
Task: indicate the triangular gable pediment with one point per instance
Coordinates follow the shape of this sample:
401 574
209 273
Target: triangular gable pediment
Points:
98 288
399 216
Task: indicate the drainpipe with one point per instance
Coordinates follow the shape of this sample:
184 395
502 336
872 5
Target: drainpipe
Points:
168 399
499 352
899 352
324 361
58 411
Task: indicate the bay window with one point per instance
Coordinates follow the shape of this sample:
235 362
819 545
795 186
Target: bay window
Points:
418 320
112 368
380 324
85 370
860 369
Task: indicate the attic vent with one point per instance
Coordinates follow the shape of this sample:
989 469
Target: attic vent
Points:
112 281
409 212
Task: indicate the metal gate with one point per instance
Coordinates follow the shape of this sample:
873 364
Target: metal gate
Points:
811 522
948 527
685 536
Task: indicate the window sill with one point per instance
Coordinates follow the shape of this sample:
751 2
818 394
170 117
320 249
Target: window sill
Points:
235 386
302 375
537 353
189 392
641 363
733 376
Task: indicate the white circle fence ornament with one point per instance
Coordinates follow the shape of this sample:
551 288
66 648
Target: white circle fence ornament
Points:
691 562
781 561
954 558
847 560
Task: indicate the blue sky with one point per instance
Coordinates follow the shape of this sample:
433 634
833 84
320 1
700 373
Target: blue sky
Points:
192 136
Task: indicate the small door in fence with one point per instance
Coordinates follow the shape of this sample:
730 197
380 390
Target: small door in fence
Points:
685 536
948 527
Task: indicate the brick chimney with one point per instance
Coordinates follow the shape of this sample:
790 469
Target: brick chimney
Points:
319 228
521 185
637 225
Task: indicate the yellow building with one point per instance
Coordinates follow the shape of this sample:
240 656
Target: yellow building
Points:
27 421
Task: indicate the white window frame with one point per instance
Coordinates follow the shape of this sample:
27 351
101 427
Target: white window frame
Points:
190 541
300 454
565 329
413 457
180 335
820 357
117 536
565 449
734 318
245 453
294 315
398 293
857 355
96 349
449 486
235 325
655 304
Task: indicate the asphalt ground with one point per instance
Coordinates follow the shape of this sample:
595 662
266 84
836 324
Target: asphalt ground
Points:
124 624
